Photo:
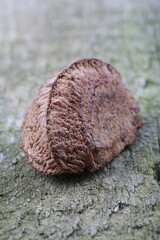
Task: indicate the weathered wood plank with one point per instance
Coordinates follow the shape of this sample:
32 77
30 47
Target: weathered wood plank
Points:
37 39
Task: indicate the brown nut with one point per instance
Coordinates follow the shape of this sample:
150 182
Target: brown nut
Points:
81 119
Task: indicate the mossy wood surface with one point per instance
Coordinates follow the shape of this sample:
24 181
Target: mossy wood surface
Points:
37 39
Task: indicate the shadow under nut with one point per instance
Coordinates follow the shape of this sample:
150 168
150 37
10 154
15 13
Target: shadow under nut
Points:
81 119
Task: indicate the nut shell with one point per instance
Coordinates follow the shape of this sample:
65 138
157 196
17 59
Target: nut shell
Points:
81 119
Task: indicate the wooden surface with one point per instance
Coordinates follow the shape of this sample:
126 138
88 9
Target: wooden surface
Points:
37 39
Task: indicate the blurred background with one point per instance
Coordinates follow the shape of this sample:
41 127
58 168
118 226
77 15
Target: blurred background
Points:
37 39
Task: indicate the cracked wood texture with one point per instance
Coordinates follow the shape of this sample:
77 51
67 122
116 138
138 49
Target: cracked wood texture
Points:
39 38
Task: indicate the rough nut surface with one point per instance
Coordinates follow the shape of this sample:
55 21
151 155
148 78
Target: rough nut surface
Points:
81 119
